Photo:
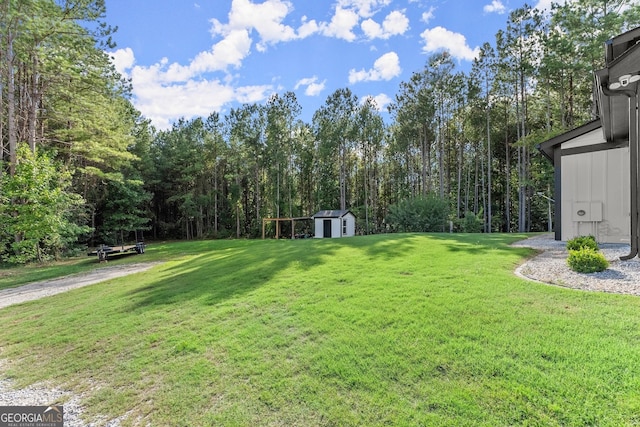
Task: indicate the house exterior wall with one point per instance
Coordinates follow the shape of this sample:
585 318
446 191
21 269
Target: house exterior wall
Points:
591 138
595 194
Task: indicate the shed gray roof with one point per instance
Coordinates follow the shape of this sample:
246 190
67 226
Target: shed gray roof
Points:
331 214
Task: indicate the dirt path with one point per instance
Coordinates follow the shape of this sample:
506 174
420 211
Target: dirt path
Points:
37 290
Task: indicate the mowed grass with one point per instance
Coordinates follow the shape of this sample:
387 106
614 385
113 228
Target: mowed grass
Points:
401 330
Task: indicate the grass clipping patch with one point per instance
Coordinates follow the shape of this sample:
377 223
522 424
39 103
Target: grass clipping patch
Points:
584 255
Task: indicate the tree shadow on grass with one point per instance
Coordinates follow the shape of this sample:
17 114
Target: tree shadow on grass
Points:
479 243
215 271
223 270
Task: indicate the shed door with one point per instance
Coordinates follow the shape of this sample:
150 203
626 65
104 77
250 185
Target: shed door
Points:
326 224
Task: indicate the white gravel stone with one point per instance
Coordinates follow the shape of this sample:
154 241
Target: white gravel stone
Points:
42 394
550 266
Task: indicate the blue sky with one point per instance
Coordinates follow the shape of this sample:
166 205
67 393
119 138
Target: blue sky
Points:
190 58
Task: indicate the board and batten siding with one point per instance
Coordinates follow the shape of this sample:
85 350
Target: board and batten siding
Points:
595 192
342 224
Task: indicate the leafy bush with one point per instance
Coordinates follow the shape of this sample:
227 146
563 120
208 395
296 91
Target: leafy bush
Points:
581 242
586 260
472 223
422 214
39 215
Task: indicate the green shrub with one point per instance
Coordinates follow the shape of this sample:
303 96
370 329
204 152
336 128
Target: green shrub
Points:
472 223
420 214
586 260
581 242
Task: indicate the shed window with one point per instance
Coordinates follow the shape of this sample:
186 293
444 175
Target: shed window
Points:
344 226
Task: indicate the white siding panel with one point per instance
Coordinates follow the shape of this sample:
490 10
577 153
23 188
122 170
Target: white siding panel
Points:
335 228
590 138
615 227
597 182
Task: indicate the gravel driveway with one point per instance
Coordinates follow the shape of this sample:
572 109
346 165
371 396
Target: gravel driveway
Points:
38 290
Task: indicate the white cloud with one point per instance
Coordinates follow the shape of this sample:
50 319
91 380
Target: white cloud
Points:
348 13
496 6
313 87
395 23
307 28
123 60
381 100
546 4
385 68
341 25
253 94
440 38
266 18
163 92
428 15
230 51
163 103
364 8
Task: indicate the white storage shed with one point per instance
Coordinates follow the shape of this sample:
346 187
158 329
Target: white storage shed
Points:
334 223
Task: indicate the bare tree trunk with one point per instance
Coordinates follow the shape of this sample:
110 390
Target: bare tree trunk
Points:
460 162
489 164
484 190
467 189
441 170
3 149
424 157
365 156
343 177
11 91
278 188
507 149
215 196
33 104
476 184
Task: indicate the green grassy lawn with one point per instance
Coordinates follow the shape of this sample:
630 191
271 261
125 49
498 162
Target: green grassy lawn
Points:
401 330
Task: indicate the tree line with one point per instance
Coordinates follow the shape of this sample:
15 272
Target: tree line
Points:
80 164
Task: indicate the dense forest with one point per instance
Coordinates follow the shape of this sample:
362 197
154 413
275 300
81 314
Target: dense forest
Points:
79 164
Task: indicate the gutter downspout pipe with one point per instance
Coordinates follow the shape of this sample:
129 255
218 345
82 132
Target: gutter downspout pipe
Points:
634 148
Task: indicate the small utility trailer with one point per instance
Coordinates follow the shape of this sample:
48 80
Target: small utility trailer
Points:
104 251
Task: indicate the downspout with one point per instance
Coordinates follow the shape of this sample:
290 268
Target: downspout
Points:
633 159
635 187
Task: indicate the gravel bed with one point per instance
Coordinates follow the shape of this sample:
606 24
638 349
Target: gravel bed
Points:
550 266
45 395
42 394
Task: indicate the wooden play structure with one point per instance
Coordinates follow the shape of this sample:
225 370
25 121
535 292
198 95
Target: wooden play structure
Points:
279 221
